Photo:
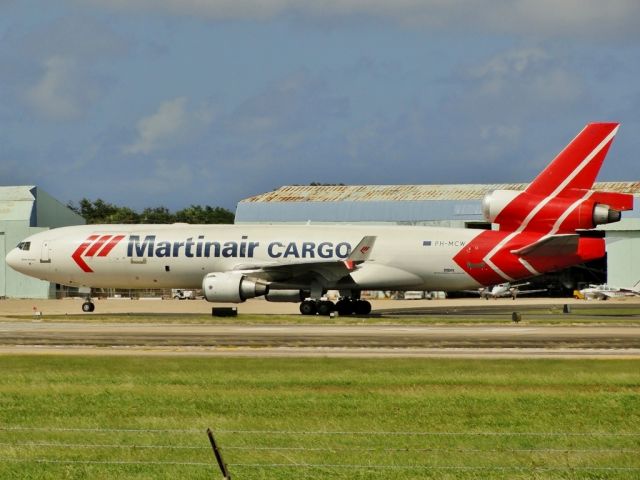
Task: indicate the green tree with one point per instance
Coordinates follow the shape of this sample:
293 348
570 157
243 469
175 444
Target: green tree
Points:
99 211
198 215
124 215
157 215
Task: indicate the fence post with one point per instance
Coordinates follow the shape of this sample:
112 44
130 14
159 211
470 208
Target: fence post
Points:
218 455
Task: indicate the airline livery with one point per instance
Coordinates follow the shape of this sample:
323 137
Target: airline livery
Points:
541 229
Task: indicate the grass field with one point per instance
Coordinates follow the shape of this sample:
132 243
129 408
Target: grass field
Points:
145 418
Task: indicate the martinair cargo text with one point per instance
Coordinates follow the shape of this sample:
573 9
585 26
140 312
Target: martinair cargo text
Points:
543 228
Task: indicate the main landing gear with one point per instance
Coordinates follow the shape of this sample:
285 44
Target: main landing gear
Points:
344 306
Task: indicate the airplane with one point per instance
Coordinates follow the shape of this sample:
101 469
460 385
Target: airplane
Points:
604 292
540 229
506 289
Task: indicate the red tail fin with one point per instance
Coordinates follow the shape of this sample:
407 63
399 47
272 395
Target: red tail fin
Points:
577 166
540 225
560 199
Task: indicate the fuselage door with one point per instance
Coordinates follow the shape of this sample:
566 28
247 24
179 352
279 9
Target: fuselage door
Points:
44 253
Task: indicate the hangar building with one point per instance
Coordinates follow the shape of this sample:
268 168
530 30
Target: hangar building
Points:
436 205
25 210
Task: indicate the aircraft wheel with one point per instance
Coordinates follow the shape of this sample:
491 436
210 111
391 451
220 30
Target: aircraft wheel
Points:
362 307
325 308
344 306
88 307
308 307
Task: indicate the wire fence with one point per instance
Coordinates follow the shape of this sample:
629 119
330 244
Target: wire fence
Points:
324 432
336 466
338 450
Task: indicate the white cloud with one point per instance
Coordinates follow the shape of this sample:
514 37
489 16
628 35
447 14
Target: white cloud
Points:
499 69
82 37
170 119
298 102
164 176
171 123
586 18
62 93
525 74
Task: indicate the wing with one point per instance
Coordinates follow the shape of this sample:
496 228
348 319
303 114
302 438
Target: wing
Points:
526 292
310 271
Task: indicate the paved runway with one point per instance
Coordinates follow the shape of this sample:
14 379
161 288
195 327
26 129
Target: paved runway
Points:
324 340
72 306
24 335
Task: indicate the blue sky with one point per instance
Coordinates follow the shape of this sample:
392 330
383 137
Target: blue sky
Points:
178 102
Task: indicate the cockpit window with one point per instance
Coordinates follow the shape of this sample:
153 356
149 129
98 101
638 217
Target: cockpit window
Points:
24 246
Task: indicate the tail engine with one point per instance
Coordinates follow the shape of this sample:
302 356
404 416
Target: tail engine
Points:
577 210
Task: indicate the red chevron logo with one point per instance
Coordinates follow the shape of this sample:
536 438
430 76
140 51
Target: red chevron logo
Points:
95 245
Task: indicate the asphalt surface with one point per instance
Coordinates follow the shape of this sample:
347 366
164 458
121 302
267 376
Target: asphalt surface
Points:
72 306
365 340
30 335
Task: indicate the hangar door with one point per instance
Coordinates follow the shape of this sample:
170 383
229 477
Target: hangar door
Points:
623 258
3 267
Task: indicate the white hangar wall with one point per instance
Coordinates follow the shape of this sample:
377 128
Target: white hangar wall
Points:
623 252
25 210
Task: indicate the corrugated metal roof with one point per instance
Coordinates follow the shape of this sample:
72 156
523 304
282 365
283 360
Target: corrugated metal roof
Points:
365 193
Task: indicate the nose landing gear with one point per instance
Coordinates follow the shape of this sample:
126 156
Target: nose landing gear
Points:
88 306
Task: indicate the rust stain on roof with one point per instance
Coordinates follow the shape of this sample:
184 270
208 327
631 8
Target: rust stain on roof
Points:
382 193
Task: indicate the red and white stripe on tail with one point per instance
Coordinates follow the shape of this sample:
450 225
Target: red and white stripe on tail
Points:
539 227
560 199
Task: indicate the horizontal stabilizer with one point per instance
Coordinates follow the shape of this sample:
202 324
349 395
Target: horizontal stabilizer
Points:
554 245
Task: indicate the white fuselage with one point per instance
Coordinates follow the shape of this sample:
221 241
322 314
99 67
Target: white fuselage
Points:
501 290
180 255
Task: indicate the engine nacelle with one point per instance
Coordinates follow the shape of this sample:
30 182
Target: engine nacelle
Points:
603 214
509 208
231 287
286 296
494 202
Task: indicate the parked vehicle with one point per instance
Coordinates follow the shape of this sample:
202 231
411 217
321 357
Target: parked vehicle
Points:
179 294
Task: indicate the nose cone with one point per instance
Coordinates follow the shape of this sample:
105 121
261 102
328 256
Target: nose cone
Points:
13 259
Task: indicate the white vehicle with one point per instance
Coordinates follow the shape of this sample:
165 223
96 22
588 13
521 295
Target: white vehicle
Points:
604 292
414 295
540 230
179 294
506 290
